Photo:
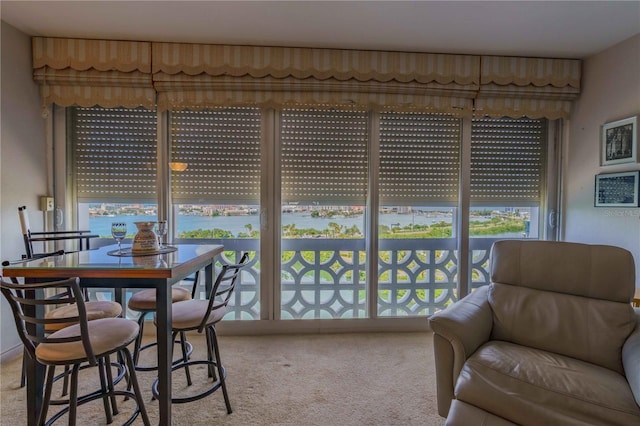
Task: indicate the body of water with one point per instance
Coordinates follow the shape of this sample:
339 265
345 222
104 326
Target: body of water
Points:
101 225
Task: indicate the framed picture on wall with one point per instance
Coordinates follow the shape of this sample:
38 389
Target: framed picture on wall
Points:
620 141
617 189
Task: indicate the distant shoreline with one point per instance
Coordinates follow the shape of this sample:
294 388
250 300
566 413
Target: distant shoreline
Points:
236 224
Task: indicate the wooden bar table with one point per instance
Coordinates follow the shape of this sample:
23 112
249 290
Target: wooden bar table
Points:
99 268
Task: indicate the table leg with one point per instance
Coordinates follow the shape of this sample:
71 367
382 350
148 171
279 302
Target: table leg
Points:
208 278
34 370
119 296
165 350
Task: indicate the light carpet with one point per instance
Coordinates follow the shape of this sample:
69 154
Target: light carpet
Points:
328 379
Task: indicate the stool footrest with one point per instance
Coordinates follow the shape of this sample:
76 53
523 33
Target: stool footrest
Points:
93 397
155 367
121 374
217 384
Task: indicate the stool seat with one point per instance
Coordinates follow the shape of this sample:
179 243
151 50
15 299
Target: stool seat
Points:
145 300
95 310
105 335
188 314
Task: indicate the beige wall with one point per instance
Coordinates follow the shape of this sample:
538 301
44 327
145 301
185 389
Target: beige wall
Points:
610 91
23 168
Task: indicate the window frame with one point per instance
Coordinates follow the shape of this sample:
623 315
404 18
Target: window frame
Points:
270 226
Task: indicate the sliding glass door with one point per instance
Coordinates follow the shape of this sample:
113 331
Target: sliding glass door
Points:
367 205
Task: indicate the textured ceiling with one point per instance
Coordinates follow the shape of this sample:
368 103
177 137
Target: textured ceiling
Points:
570 29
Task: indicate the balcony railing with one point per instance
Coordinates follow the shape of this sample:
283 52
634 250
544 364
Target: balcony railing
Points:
326 278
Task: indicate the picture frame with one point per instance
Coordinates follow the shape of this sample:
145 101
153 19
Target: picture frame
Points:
619 142
617 189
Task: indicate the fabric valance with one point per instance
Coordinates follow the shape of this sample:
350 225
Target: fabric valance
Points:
93 72
183 91
532 87
195 76
320 64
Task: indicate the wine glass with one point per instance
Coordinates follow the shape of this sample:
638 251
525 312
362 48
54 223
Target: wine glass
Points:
119 231
161 231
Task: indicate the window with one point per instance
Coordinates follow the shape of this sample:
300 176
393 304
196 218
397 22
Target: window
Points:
324 169
113 166
349 182
418 187
113 161
217 197
508 185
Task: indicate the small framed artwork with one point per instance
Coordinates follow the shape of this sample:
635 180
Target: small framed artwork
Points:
617 189
620 141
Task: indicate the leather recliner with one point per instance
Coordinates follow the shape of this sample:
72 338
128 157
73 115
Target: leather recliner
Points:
552 340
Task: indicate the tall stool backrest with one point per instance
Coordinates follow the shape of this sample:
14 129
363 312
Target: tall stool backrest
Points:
30 297
223 288
82 238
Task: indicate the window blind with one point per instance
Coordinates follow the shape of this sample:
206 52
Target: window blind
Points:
114 154
419 159
324 156
222 150
508 161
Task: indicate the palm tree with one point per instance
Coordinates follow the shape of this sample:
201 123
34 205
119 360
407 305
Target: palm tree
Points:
335 229
289 230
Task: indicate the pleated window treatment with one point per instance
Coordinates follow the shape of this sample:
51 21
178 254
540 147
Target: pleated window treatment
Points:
532 87
93 72
178 76
201 76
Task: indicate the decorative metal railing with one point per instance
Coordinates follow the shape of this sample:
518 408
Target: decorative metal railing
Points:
480 249
416 277
245 300
323 278
326 278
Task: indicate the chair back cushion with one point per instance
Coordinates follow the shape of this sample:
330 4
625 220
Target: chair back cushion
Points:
568 298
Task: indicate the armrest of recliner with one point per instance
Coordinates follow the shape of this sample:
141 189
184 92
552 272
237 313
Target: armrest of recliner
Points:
458 331
631 359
